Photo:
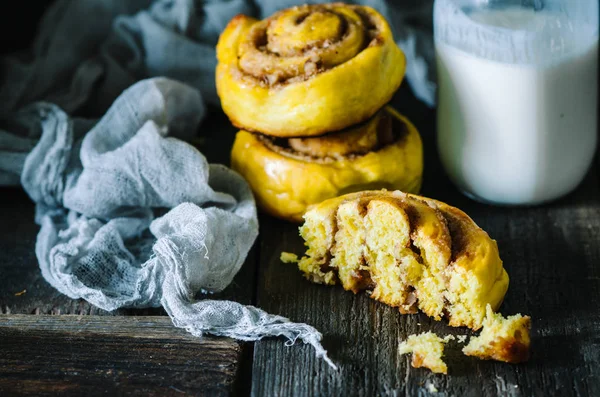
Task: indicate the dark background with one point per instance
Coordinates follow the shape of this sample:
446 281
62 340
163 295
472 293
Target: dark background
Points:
18 23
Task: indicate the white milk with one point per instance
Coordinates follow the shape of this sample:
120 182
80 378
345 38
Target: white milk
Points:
517 133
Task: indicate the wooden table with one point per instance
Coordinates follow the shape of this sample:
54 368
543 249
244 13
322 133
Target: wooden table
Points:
50 344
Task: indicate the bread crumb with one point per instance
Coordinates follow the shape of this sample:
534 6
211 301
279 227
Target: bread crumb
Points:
502 339
288 257
427 350
462 338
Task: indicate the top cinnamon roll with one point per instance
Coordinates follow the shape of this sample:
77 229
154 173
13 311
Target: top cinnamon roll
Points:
307 70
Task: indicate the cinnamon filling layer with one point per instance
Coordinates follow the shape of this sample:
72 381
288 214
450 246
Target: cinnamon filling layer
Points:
297 43
376 133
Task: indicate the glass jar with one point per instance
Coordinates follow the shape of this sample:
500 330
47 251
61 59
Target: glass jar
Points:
517 96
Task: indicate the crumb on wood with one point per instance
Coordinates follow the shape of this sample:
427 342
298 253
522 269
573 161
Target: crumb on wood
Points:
288 257
427 351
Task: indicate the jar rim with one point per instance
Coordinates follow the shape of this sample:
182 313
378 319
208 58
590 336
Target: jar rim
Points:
560 36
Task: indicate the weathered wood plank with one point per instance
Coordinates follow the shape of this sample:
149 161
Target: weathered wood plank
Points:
551 253
94 355
23 289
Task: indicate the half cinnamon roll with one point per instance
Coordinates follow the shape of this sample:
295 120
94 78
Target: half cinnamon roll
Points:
409 251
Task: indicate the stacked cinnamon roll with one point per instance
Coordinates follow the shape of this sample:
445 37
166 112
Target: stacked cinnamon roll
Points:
309 88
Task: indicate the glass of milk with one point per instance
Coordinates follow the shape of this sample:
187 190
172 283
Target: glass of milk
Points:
517 96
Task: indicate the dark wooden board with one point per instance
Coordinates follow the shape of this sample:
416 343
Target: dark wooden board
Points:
23 289
104 355
552 254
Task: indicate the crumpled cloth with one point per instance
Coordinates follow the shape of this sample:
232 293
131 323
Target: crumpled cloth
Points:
94 123
101 189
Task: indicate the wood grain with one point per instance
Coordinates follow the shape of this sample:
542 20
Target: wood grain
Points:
552 255
104 355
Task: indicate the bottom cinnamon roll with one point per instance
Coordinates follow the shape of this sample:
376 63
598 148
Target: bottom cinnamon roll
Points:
287 176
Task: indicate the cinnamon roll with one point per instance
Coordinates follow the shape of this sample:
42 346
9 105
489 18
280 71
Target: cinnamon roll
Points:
307 70
408 251
287 176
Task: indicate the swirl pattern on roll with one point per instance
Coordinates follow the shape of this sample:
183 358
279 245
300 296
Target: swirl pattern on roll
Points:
300 42
308 70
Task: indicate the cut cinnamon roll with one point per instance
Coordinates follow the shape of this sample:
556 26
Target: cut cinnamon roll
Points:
289 175
307 70
409 251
